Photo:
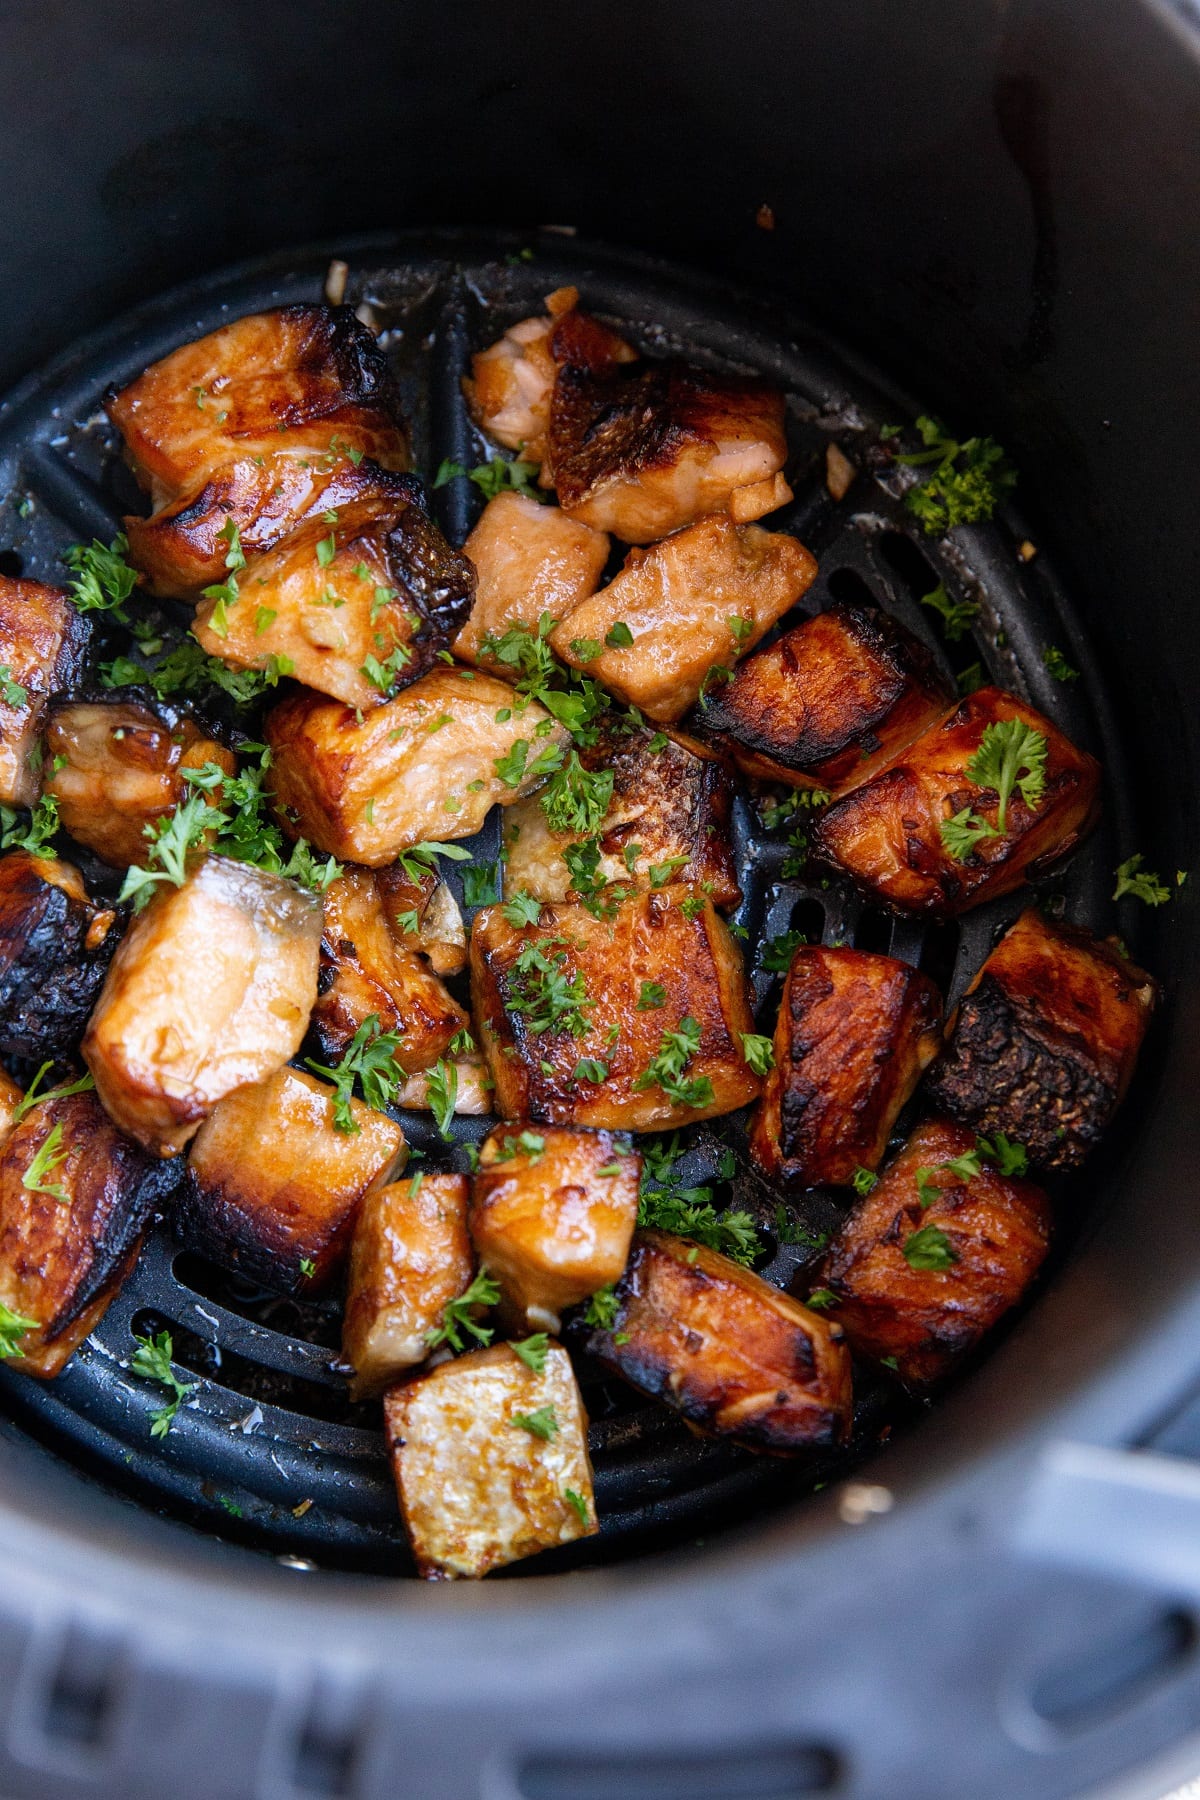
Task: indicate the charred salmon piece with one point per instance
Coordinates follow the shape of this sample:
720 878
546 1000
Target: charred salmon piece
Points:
828 703
466 1081
928 837
675 620
358 613
273 1186
934 1255
248 507
490 1460
441 936
367 969
1044 1042
552 1217
529 560
210 991
630 1022
511 382
411 1256
855 1031
668 820
43 649
55 946
644 449
312 373
426 766
730 1352
114 767
75 1197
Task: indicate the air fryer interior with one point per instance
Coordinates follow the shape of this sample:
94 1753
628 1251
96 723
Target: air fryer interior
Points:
994 206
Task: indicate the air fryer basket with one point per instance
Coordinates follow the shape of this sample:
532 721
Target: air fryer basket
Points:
993 206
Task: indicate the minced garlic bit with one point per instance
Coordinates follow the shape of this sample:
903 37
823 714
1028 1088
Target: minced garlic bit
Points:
839 471
335 282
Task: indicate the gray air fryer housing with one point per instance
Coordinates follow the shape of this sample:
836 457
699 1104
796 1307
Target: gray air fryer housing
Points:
994 201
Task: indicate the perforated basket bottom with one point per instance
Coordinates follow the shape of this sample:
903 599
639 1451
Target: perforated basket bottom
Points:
269 1450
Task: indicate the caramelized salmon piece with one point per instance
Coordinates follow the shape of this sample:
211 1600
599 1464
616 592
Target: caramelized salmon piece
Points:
441 936
55 946
668 820
529 560
673 623
421 768
10 1098
1043 1044
312 375
411 1256
75 1199
552 1217
829 702
491 1461
888 833
855 1032
43 646
210 991
273 1186
367 969
643 449
469 1085
567 1025
933 1257
115 767
358 613
730 1352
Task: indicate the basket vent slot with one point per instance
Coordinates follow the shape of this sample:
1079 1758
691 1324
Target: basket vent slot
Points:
781 1774
1111 1671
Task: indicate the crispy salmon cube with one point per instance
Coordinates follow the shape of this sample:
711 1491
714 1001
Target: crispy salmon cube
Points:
366 969
55 946
75 1197
730 1352
312 374
926 837
114 767
210 991
1043 1044
358 614
828 703
855 1032
441 935
668 820
631 1022
490 1460
934 1256
410 1257
552 1217
643 449
512 381
43 647
529 560
679 614
273 1187
421 768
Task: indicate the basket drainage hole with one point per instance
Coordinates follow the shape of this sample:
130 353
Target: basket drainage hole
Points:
324 1765
906 561
754 1775
11 564
1096 1681
808 916
81 1699
848 586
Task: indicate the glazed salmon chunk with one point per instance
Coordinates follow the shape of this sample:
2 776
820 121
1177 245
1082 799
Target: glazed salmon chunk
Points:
411 1256
210 991
1044 1042
490 1459
635 1021
116 767
675 620
43 647
855 1032
75 1198
276 1175
530 561
829 702
976 805
552 1217
424 767
55 946
738 1358
935 1254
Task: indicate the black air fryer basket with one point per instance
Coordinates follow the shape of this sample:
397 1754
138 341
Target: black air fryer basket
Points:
987 211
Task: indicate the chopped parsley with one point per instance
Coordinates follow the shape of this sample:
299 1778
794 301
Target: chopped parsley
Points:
104 580
652 996
514 766
821 1299
442 1092
35 838
11 692
957 616
458 1315
666 1069
618 636
758 1052
1139 883
384 675
369 1059
153 1360
602 1308
791 1231
50 1156
526 1143
13 1326
532 1351
1010 1158
541 990
575 798
1011 757
32 1098
419 859
498 476
929 1248
967 479
578 1504
1057 665
590 1068
777 952
862 1181
689 1212
522 910
540 1424
172 841
480 885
